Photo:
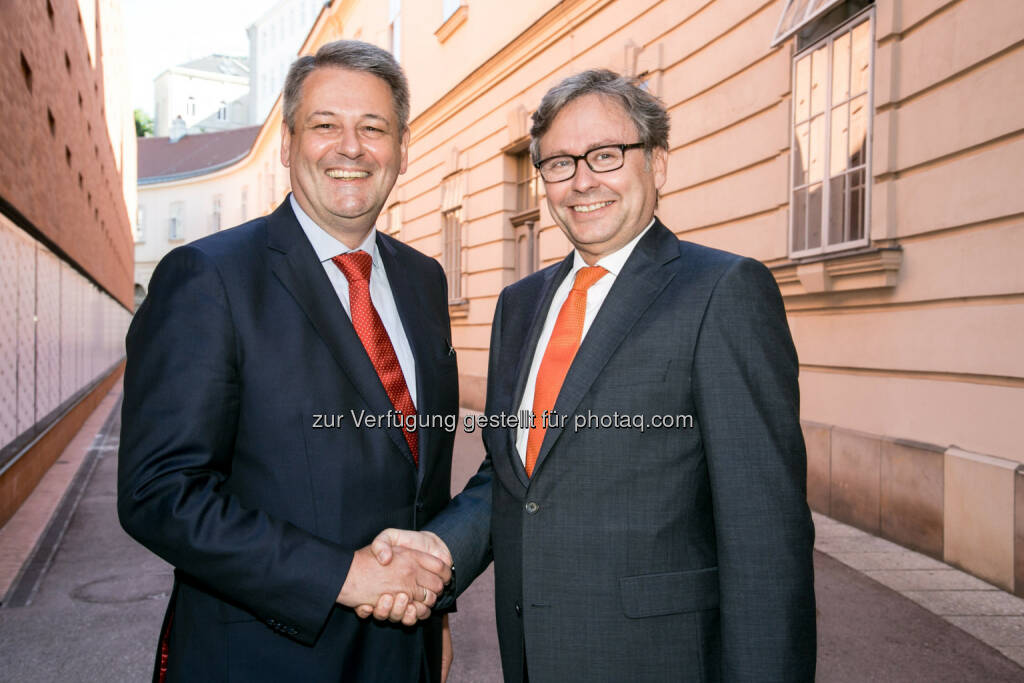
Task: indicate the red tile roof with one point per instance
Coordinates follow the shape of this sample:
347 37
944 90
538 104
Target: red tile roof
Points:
160 159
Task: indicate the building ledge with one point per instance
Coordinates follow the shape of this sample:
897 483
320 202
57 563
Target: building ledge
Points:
458 308
457 19
872 268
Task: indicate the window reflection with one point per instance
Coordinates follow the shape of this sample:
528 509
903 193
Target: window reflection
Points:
831 108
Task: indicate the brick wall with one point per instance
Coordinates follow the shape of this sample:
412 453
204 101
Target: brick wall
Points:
58 171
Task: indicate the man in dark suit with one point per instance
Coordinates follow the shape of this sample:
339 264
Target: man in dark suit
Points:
652 524
291 390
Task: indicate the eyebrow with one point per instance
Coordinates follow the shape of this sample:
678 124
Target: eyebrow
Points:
600 143
331 114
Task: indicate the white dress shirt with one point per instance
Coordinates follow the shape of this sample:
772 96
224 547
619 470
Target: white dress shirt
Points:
326 248
596 295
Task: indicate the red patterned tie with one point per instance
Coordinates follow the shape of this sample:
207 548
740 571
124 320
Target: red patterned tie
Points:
356 266
561 349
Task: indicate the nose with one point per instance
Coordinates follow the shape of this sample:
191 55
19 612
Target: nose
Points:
584 179
347 143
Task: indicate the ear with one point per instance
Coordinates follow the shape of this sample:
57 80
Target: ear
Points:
286 143
659 164
404 151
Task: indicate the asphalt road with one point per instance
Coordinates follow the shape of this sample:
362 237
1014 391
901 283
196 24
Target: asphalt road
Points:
98 606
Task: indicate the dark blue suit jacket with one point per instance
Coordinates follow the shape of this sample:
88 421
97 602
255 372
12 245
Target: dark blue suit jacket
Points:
639 551
225 474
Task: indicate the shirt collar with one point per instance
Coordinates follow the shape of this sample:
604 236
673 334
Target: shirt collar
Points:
614 261
326 246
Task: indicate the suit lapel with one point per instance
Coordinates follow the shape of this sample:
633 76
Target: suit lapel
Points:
411 310
295 264
543 302
642 278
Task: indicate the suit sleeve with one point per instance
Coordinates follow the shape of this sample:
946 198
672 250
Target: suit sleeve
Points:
465 524
747 399
179 420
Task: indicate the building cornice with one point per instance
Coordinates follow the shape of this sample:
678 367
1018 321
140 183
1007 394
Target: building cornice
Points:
548 29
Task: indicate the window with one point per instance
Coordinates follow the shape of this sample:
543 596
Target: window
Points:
216 215
797 14
395 28
140 225
527 215
176 229
190 107
831 140
222 111
394 219
448 8
526 183
244 203
451 234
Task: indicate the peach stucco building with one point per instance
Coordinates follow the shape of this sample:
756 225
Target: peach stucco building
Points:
870 153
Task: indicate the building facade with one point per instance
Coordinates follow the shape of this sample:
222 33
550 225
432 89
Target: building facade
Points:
274 41
868 152
67 190
200 184
206 94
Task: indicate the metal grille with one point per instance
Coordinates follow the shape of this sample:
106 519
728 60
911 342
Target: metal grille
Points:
26 335
67 347
8 334
58 333
47 333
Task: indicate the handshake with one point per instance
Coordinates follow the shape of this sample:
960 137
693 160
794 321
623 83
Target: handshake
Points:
397 577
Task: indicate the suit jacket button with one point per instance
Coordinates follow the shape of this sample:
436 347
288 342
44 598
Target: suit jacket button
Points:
519 609
532 508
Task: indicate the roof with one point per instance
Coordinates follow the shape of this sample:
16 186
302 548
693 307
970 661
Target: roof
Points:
220 64
161 160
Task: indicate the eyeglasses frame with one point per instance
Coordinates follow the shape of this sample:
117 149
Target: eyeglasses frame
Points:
576 158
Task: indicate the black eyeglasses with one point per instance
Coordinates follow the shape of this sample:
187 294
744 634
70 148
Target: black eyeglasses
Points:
602 159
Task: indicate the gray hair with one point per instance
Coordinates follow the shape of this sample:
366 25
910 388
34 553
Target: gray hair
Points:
645 110
354 55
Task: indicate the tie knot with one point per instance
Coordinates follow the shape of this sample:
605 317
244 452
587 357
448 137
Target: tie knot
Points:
355 265
587 276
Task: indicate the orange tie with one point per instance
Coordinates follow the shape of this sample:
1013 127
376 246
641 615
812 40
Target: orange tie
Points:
565 340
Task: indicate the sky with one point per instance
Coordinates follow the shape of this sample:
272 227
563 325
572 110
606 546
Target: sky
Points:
161 34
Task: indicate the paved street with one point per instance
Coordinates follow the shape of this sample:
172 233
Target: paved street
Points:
97 609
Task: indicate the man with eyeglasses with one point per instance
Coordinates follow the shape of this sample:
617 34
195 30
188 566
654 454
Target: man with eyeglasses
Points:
652 524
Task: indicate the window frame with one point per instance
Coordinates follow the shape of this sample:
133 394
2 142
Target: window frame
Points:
217 216
395 29
847 27
807 17
176 227
140 224
448 8
451 239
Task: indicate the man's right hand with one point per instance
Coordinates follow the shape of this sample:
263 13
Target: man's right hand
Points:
398 606
408 572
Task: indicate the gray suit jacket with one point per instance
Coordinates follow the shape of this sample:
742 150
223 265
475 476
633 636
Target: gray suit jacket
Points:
645 552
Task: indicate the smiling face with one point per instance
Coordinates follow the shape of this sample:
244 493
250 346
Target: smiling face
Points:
346 150
601 212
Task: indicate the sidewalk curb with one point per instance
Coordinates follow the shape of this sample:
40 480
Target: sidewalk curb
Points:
27 580
979 609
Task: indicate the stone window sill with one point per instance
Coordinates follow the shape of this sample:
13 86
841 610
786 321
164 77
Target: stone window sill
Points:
871 268
458 308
